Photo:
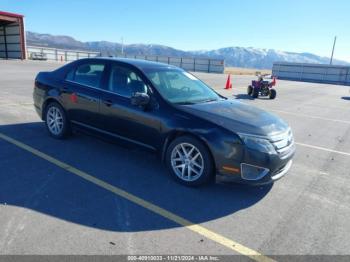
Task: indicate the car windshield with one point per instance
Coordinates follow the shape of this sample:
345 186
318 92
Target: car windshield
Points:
180 87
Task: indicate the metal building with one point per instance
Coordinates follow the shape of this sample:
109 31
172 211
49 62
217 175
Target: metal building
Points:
12 36
318 73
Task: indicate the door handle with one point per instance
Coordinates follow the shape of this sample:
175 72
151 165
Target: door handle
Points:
107 102
88 98
91 99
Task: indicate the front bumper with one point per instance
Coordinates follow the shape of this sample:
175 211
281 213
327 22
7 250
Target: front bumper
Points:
271 176
257 168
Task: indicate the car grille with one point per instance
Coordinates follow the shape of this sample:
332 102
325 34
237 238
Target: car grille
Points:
283 143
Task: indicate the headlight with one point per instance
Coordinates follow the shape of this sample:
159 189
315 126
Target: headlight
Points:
257 143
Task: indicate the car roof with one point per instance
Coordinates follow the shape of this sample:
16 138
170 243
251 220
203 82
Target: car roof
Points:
140 64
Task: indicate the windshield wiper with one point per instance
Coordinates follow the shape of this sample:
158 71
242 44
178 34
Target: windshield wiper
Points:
207 100
196 101
184 103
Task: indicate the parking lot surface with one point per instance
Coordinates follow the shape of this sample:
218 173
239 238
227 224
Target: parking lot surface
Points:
48 209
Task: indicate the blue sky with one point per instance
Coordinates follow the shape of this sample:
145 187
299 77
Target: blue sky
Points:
300 26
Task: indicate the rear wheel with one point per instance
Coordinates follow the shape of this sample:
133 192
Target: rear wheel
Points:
56 121
249 90
273 94
189 161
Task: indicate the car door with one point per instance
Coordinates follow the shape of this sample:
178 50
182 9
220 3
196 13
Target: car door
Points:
81 92
120 117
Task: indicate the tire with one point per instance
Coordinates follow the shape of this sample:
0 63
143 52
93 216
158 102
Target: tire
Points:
56 121
198 160
255 93
273 94
249 90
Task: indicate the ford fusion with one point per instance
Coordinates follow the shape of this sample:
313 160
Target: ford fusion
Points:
197 133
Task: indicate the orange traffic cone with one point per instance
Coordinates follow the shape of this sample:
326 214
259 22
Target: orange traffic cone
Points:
228 82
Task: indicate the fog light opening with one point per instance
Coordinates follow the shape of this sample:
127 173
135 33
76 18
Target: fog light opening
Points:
251 172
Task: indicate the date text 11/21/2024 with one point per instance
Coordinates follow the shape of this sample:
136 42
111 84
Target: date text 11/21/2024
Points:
173 258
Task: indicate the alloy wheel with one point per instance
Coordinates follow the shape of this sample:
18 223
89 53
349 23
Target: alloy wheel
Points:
187 162
54 120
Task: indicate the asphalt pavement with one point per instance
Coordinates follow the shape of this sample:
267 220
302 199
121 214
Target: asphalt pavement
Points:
46 209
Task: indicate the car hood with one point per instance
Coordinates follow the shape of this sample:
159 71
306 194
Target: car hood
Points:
238 117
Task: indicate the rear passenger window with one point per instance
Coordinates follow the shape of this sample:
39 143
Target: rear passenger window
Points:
87 74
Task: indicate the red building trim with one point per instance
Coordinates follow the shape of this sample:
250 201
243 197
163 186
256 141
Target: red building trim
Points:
11 14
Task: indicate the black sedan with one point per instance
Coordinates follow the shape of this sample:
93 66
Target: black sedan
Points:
197 132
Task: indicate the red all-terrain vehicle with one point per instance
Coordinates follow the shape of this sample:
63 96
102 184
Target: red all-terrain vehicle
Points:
262 87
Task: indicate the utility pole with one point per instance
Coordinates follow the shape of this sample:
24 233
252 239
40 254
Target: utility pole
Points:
335 40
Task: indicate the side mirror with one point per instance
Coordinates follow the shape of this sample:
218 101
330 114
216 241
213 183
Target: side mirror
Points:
140 99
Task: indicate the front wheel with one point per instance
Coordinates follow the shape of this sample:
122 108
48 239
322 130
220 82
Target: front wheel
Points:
189 161
56 121
273 94
255 93
249 90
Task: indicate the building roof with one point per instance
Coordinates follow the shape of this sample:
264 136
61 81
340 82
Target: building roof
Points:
11 14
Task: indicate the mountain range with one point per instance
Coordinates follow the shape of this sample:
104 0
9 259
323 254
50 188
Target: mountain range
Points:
248 57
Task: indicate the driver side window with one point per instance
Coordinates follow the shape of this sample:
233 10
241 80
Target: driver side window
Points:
124 81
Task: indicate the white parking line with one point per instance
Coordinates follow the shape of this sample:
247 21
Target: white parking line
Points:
323 149
314 117
17 104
